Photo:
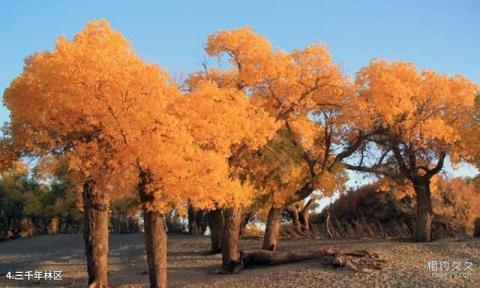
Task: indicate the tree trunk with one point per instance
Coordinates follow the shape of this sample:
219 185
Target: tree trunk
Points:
17 216
231 256
304 219
34 222
423 232
155 235
95 234
193 228
156 248
476 229
304 216
270 238
6 227
327 226
293 211
196 221
216 222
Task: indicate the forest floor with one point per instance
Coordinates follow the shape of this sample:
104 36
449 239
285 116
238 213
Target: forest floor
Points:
189 265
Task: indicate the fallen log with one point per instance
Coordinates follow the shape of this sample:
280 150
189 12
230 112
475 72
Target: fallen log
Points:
358 260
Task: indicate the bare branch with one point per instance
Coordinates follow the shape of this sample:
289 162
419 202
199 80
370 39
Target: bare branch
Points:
438 167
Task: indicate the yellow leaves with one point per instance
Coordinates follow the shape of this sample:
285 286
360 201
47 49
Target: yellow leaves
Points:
98 34
8 157
456 199
71 84
222 120
306 131
383 185
275 170
330 181
282 83
423 109
292 88
387 88
437 130
316 72
402 191
98 105
250 53
109 115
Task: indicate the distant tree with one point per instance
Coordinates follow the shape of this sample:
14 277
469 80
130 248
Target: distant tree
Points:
197 222
19 198
476 130
124 216
457 200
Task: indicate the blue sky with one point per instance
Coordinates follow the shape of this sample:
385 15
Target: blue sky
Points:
439 35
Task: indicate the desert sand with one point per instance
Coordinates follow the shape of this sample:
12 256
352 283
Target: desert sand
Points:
191 266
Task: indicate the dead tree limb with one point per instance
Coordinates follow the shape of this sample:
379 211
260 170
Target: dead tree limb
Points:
359 260
327 224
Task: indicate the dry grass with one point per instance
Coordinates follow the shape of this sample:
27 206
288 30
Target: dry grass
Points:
365 212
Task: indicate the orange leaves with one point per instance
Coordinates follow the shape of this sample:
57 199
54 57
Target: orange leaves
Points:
94 102
111 116
318 80
294 88
67 88
96 105
306 131
396 94
457 199
250 53
423 109
276 170
387 88
221 121
282 83
223 117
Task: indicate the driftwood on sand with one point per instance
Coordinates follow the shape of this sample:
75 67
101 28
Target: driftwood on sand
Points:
358 260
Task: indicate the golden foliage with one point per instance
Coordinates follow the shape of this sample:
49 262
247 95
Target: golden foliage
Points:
296 89
456 199
427 111
105 111
264 127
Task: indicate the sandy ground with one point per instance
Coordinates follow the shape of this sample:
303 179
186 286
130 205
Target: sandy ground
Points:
190 266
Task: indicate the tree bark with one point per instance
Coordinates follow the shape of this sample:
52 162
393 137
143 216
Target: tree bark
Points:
476 228
193 228
155 235
304 216
293 211
196 221
95 234
216 222
231 256
359 260
270 238
244 223
156 248
423 232
327 225
17 216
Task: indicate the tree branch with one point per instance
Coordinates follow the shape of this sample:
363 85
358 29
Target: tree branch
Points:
438 167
